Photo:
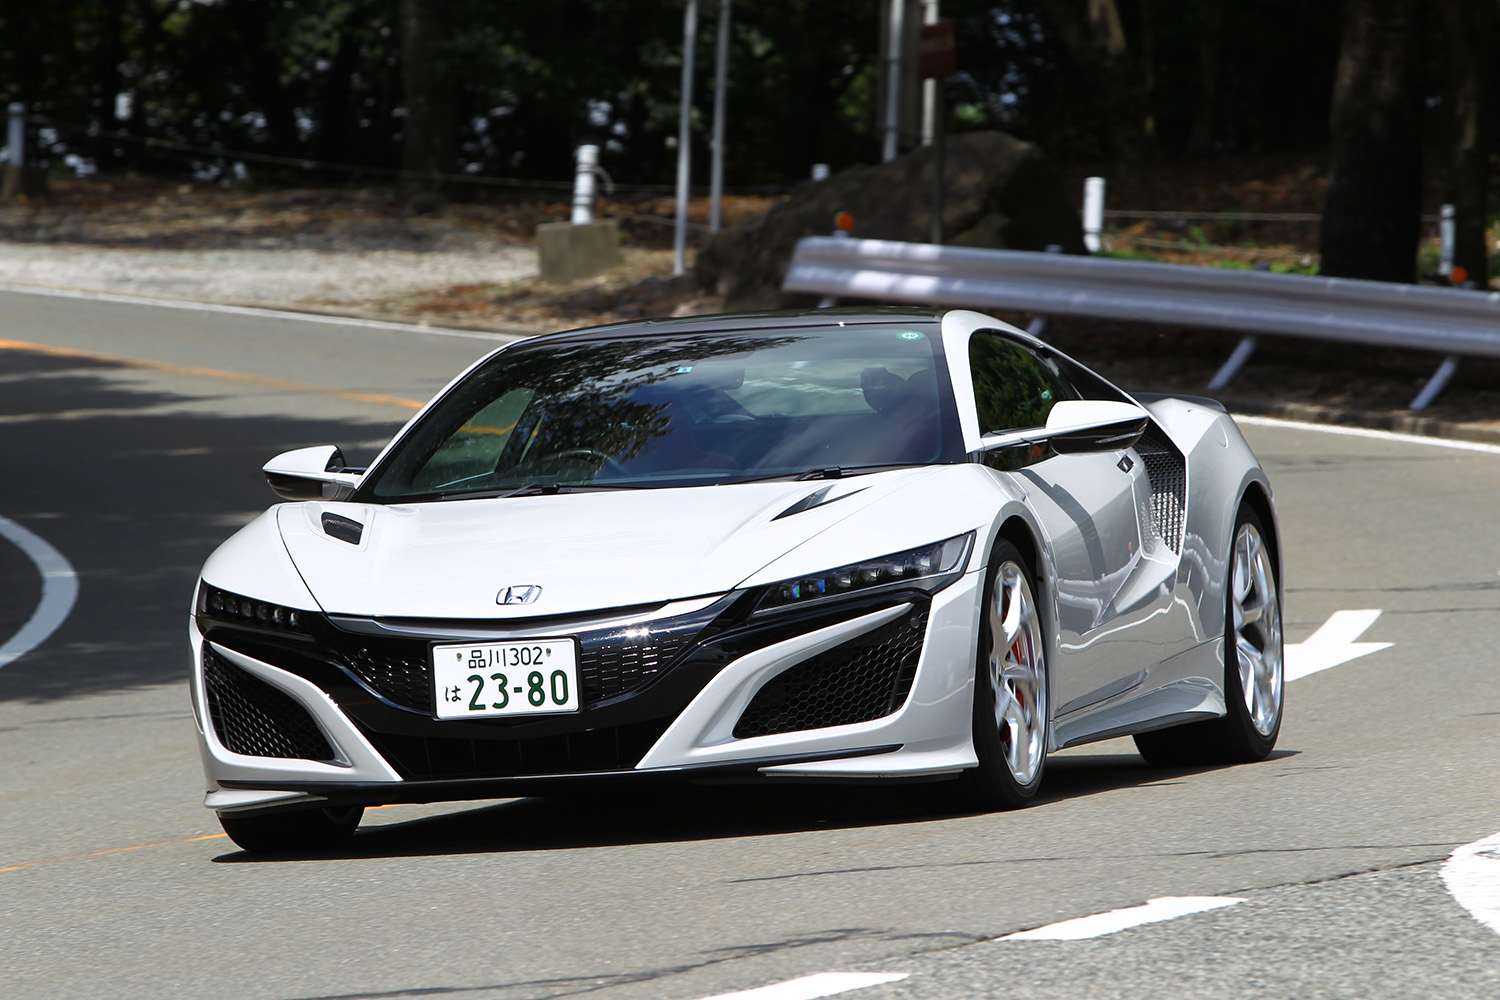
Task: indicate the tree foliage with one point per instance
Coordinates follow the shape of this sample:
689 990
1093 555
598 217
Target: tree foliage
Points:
509 89
519 84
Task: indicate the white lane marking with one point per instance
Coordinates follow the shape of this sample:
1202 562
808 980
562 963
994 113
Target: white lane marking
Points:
823 984
1367 432
1332 644
59 591
258 312
1100 924
1472 875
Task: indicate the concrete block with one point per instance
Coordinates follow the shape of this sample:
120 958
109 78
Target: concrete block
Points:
568 251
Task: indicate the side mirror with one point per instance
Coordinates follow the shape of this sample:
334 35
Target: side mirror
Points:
317 473
1079 425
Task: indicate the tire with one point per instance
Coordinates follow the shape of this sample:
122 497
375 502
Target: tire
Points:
1254 677
1010 690
293 831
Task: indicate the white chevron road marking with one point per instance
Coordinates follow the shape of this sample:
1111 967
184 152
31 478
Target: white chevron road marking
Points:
1332 644
823 984
1100 924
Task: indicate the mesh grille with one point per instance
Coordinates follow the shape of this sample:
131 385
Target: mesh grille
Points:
1168 475
404 678
611 662
254 718
609 748
866 678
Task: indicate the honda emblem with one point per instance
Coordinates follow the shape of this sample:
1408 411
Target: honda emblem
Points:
524 594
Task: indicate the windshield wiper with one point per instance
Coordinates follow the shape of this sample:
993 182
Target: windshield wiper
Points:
840 471
538 489
529 489
829 472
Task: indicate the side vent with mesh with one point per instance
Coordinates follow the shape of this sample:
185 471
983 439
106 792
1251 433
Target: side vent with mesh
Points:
861 680
254 718
1167 473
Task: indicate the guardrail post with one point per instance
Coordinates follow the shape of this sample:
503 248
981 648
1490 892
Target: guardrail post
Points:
842 223
587 161
15 160
1446 226
1237 359
1093 214
1438 382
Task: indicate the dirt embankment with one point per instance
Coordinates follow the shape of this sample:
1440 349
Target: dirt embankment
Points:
473 265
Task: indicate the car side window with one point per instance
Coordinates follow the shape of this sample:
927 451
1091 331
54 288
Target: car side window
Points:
1014 387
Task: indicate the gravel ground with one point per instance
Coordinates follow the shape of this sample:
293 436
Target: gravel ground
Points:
272 276
362 253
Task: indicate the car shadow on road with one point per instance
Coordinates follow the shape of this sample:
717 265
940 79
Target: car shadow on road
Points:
134 485
685 813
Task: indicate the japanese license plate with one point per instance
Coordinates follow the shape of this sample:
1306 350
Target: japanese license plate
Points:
520 677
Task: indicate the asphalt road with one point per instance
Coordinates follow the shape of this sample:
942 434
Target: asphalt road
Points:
131 438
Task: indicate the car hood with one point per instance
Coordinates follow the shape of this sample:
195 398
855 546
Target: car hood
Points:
586 551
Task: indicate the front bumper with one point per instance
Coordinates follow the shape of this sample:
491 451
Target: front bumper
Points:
879 689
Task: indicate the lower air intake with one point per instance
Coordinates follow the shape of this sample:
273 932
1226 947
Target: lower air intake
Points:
864 679
256 719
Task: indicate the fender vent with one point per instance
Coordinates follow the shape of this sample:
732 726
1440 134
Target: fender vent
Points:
343 528
257 719
1167 473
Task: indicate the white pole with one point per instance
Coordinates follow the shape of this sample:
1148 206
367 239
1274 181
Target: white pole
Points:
929 85
684 154
1446 240
16 149
1093 213
586 159
721 80
893 81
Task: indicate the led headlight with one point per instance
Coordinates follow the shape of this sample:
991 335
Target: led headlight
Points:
222 606
929 568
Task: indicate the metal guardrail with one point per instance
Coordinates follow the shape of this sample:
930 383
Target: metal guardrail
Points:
1452 321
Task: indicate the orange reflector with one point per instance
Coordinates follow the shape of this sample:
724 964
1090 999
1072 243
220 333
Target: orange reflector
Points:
844 221
1458 275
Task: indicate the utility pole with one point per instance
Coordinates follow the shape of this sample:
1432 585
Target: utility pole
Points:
930 84
684 152
893 80
721 81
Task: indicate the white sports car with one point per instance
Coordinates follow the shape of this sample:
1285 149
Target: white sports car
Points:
830 545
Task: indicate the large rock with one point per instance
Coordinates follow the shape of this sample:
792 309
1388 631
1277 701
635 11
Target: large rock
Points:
999 192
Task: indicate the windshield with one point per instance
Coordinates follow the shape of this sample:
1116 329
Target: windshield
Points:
680 410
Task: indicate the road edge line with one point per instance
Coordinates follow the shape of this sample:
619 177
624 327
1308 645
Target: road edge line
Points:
261 312
59 591
1456 444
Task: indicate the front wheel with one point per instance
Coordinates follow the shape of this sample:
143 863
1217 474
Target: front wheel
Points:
1254 679
1010 693
293 831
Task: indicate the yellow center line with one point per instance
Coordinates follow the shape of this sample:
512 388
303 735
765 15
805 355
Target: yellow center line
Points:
113 850
134 847
214 373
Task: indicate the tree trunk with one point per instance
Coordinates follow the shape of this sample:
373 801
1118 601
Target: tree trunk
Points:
1210 35
106 84
1093 35
428 142
1372 215
1469 28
